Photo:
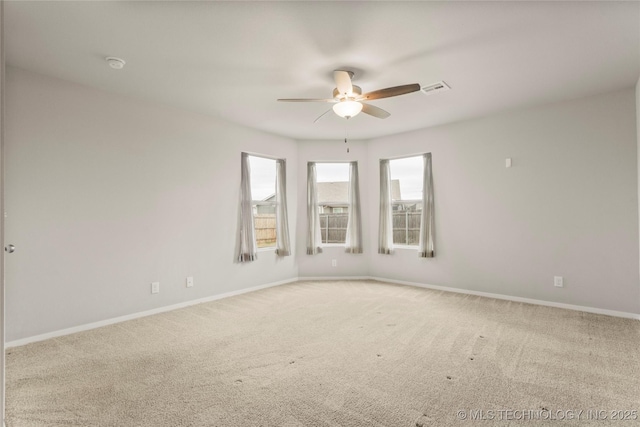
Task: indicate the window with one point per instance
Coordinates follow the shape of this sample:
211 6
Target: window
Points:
262 209
407 205
406 199
333 201
263 194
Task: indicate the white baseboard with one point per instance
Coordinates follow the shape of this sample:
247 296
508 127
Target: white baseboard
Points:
119 319
325 278
515 299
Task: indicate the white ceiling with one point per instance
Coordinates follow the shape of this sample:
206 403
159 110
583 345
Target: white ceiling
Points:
234 59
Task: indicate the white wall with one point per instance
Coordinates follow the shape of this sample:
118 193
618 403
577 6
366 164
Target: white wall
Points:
638 142
106 194
567 207
2 299
320 264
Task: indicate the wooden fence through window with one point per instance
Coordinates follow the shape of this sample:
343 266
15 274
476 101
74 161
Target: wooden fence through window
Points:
265 225
406 227
333 227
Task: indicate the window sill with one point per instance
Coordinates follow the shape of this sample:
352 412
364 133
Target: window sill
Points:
406 247
333 245
270 248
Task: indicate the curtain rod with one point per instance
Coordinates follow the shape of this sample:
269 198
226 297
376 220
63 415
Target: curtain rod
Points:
404 156
264 156
331 161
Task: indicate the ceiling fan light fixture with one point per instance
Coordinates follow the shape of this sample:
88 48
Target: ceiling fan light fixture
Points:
347 97
347 109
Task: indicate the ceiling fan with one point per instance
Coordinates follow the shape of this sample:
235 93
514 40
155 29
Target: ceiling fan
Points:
348 98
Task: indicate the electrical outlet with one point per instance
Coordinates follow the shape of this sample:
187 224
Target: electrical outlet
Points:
189 282
334 263
558 281
155 287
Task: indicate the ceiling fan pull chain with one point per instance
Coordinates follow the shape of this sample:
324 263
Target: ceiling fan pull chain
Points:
346 136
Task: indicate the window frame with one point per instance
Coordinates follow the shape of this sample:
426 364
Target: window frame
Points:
333 203
255 203
405 201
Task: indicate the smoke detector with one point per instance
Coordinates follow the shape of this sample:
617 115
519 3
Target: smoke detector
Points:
435 87
115 63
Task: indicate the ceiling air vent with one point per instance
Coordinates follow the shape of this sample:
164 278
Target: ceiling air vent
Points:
435 87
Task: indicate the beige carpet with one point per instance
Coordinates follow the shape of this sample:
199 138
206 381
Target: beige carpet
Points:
355 353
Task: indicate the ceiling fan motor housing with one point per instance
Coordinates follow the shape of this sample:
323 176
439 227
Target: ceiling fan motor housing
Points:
356 91
348 98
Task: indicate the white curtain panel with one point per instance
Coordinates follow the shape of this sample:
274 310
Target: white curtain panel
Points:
425 248
282 222
385 225
353 241
314 238
246 248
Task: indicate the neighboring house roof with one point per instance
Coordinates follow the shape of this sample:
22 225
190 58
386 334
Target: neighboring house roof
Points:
338 192
333 192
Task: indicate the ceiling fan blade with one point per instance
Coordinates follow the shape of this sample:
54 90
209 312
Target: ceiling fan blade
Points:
374 111
306 100
343 82
390 91
322 115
